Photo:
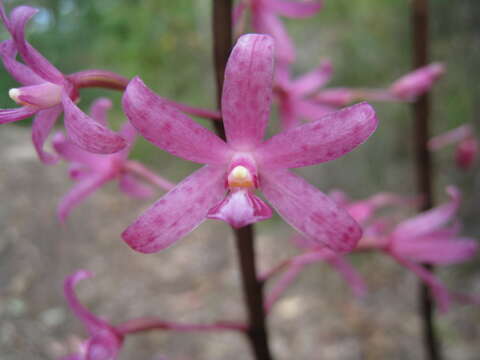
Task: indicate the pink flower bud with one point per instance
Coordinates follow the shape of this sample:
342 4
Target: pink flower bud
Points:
466 153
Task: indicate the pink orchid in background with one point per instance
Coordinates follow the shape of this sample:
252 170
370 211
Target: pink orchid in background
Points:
306 98
104 340
426 238
405 89
92 171
245 162
299 262
47 93
292 95
264 17
466 141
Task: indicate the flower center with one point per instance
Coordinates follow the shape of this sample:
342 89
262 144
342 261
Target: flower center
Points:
240 177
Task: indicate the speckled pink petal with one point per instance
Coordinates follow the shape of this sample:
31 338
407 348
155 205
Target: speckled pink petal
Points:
71 152
99 110
78 193
268 23
295 9
42 67
310 211
41 128
311 111
417 82
320 141
247 91
240 208
11 115
88 133
430 220
178 212
437 250
134 188
314 79
20 72
168 128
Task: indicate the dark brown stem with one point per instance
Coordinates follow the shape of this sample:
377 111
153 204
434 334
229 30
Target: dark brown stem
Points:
244 237
421 111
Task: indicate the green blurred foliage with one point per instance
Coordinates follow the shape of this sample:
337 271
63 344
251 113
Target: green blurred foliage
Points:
168 44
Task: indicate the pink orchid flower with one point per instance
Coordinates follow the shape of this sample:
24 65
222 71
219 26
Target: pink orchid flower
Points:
293 95
265 20
467 145
245 162
426 238
105 341
47 92
306 98
92 171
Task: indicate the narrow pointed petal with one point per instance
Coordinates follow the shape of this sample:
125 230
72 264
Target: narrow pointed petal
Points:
295 9
78 193
337 97
41 128
282 284
168 128
417 82
11 115
437 251
311 111
314 80
99 110
268 23
42 67
320 141
91 322
247 91
238 12
71 152
430 220
178 212
131 186
20 72
310 211
440 292
450 137
240 208
88 133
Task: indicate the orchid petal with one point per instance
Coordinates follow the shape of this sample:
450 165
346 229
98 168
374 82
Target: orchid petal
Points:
310 211
430 220
71 152
91 322
311 111
349 273
79 192
168 128
131 186
313 80
437 251
247 91
295 9
41 128
99 110
439 291
178 212
11 115
238 12
42 67
267 23
20 72
88 133
320 141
